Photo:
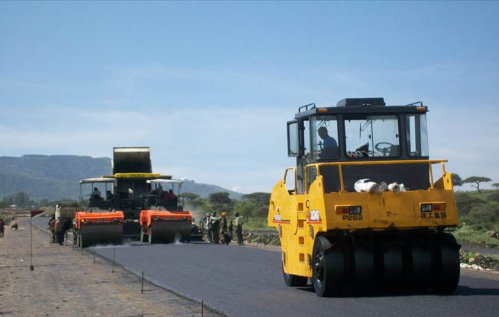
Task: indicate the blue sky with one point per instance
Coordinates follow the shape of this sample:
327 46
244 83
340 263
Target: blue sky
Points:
209 85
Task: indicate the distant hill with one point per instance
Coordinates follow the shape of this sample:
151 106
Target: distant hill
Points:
56 176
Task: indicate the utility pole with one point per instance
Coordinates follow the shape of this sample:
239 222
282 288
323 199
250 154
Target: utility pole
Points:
31 267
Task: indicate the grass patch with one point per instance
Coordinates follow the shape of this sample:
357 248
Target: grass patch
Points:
257 224
471 236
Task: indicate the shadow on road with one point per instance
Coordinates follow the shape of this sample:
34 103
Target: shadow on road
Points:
470 291
461 291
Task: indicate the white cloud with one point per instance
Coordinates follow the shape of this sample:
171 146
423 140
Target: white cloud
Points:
241 145
221 146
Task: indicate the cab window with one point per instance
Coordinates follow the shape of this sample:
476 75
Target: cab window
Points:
417 135
324 138
311 176
372 136
293 142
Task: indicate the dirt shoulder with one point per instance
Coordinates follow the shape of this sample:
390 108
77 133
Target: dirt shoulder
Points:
67 282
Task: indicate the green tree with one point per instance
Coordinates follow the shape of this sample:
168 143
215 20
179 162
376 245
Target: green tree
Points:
189 196
477 180
456 179
465 202
198 203
220 198
246 208
483 216
495 185
261 199
220 202
494 196
4 203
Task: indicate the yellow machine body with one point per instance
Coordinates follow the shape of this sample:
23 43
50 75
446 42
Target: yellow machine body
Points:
300 218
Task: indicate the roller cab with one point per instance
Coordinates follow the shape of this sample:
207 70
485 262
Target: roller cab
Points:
365 208
165 221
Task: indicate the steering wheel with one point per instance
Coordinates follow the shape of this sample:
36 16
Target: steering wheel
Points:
384 147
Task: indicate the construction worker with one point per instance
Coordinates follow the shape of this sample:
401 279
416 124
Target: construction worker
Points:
208 228
14 225
2 227
59 232
223 228
239 229
109 196
96 195
52 228
215 225
169 196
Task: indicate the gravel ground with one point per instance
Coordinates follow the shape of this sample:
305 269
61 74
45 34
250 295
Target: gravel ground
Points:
485 251
66 282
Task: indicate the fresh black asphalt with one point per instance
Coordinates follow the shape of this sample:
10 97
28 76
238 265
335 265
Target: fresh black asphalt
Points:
246 281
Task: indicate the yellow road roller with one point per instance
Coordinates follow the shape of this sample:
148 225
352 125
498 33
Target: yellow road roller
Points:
365 208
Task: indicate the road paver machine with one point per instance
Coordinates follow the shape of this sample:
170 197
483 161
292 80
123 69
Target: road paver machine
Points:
112 209
363 209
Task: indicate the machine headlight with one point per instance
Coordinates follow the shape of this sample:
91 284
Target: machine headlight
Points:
439 207
354 210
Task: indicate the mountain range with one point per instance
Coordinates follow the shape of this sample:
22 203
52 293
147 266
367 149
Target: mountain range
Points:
54 177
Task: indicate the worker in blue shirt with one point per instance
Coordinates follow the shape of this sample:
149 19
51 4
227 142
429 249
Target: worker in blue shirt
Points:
329 145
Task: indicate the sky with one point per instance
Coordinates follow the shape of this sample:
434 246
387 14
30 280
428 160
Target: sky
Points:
209 86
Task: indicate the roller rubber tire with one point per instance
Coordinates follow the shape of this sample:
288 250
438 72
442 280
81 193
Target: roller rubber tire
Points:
82 242
363 271
421 265
328 269
447 270
393 267
294 280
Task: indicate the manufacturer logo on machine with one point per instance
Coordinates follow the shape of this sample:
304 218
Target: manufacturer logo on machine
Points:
315 217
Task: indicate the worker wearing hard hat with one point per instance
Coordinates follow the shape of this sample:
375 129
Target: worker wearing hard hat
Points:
223 229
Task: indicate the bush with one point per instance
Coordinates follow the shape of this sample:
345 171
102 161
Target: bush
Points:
494 196
465 202
483 216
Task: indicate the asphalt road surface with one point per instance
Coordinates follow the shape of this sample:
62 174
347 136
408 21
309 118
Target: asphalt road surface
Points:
245 281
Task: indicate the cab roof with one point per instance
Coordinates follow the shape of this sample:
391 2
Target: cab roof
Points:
360 106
